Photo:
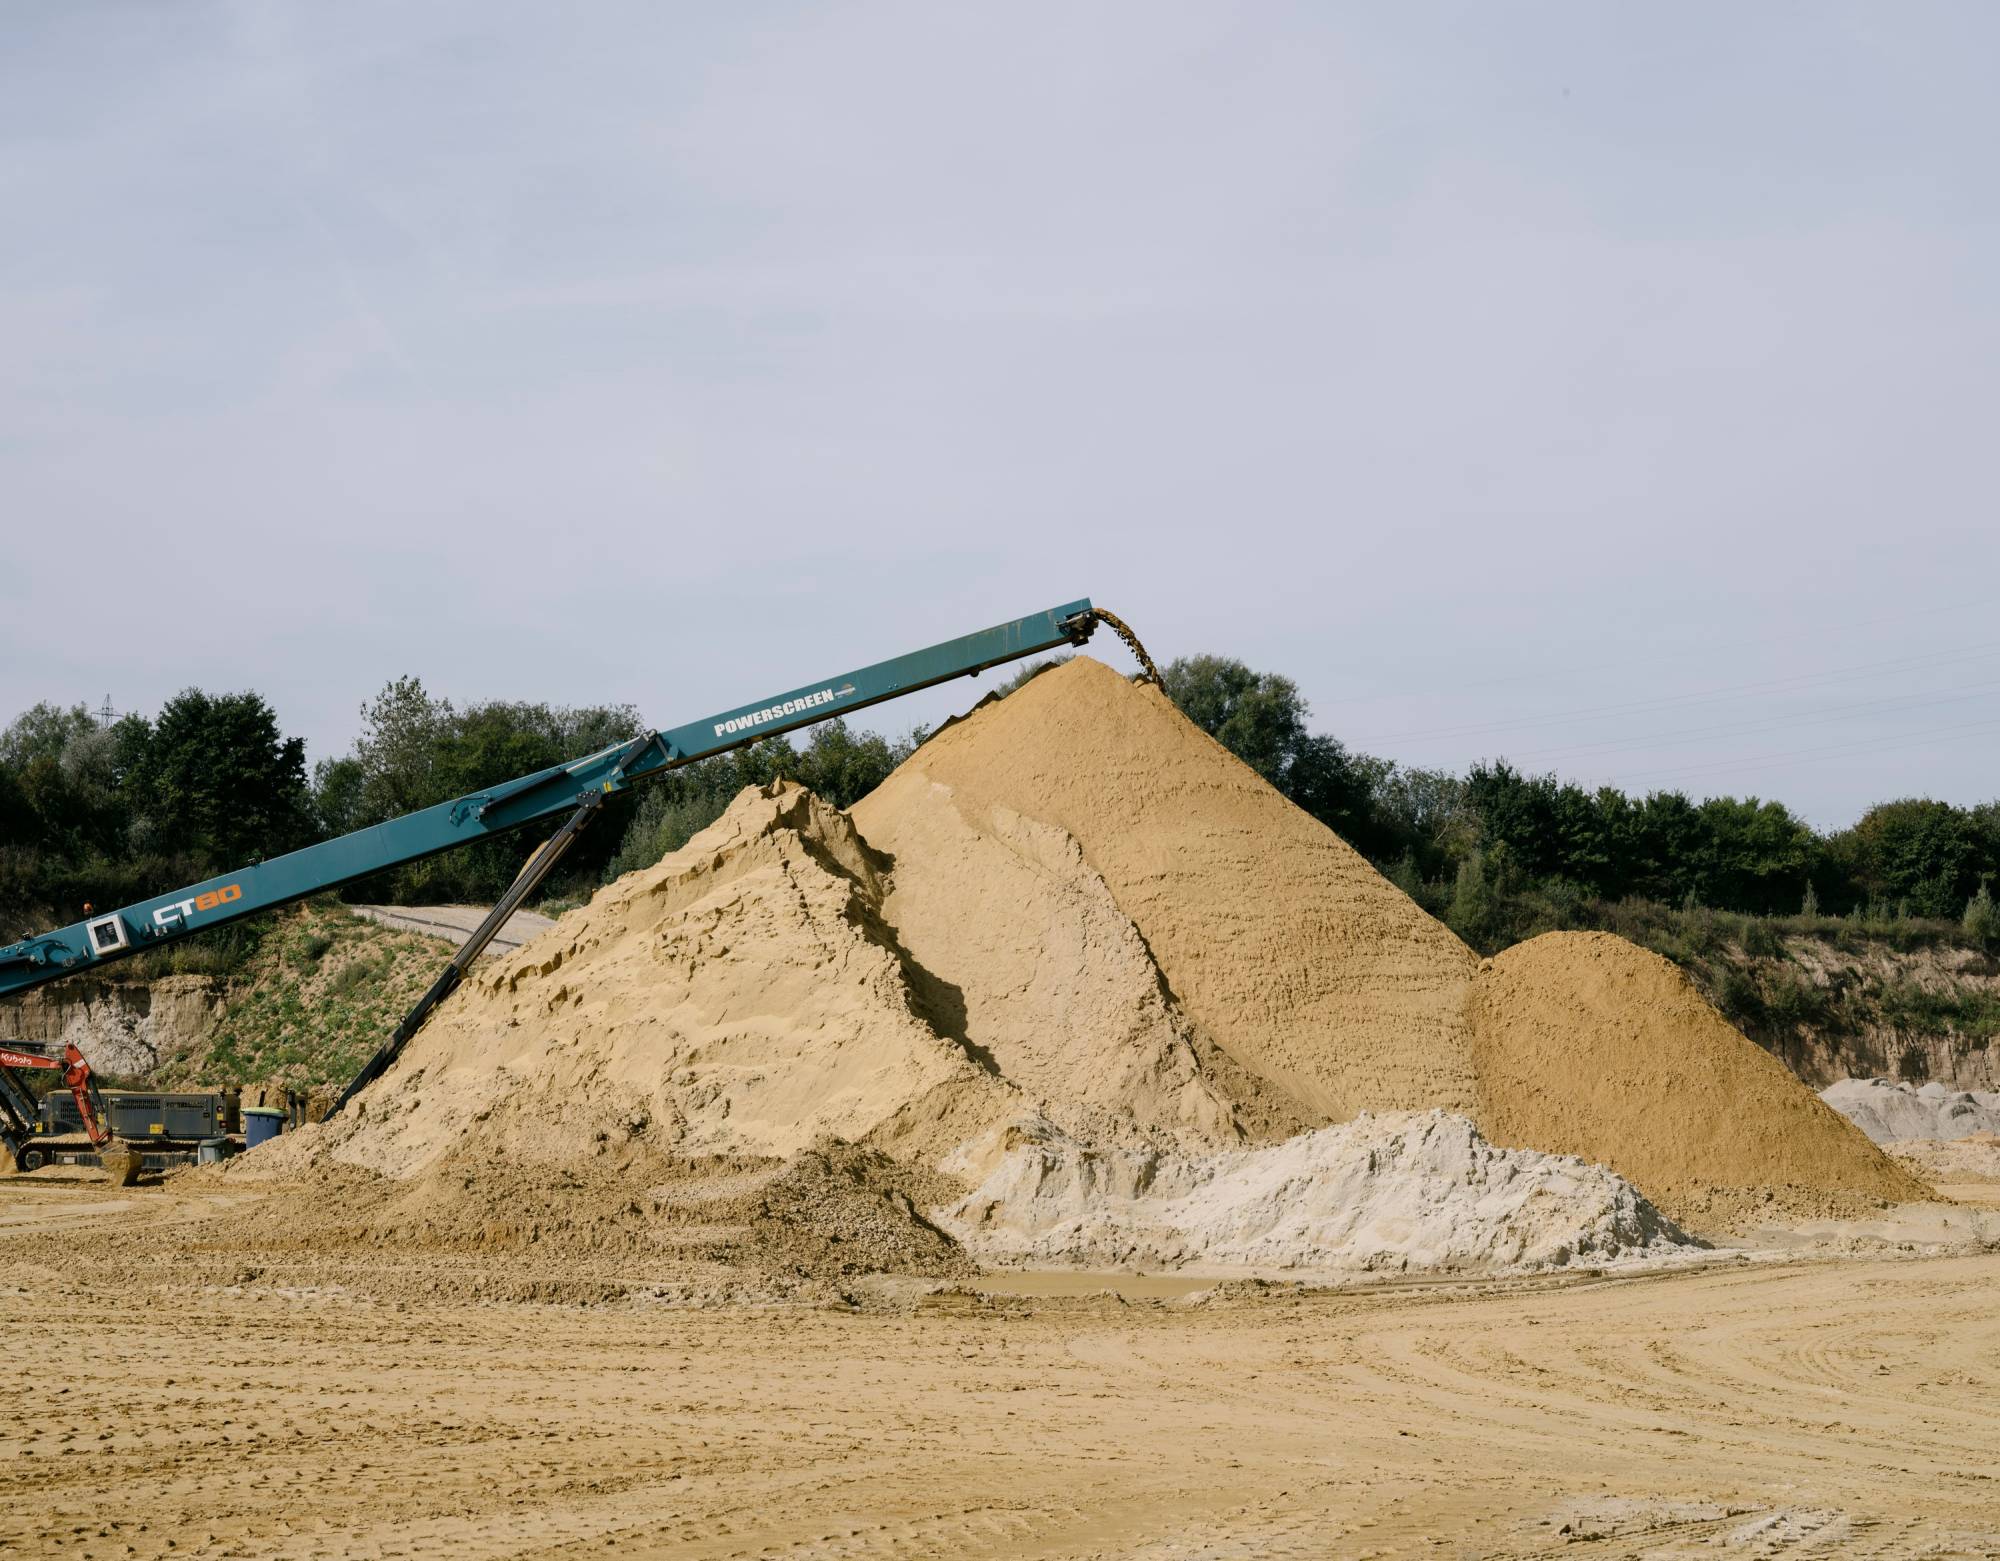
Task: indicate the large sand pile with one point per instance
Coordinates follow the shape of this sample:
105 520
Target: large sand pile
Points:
1275 936
1071 908
1585 1044
1318 976
748 995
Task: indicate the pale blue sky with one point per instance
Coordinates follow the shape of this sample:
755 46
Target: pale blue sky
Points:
1607 386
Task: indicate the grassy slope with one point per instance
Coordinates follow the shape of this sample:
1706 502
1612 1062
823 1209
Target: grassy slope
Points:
318 993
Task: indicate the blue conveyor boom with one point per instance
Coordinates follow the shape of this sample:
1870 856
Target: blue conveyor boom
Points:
576 789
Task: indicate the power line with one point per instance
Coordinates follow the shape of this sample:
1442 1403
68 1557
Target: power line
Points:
1839 750
1740 728
1847 625
1864 669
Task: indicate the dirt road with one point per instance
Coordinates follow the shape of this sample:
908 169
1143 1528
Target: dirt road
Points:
455 923
217 1408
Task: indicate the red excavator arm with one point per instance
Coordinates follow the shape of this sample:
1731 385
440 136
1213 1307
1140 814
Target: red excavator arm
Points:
75 1072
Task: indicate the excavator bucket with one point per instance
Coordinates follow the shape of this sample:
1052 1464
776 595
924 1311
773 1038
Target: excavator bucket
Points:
121 1163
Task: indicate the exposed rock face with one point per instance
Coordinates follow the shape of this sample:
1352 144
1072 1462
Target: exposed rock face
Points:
1863 1028
1956 1062
125 1028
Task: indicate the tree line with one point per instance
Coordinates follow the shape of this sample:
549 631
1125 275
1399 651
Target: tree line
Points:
1500 854
113 813
110 814
116 813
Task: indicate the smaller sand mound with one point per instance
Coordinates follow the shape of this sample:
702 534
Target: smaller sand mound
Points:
1406 1191
825 1212
836 1210
1889 1112
1585 1044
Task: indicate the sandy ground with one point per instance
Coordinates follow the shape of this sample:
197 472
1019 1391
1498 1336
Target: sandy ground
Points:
1831 1408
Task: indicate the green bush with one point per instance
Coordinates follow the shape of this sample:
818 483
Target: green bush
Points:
1982 919
1760 938
1791 999
361 973
665 822
1910 1006
1738 995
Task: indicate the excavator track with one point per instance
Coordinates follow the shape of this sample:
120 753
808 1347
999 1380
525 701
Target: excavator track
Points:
121 1158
